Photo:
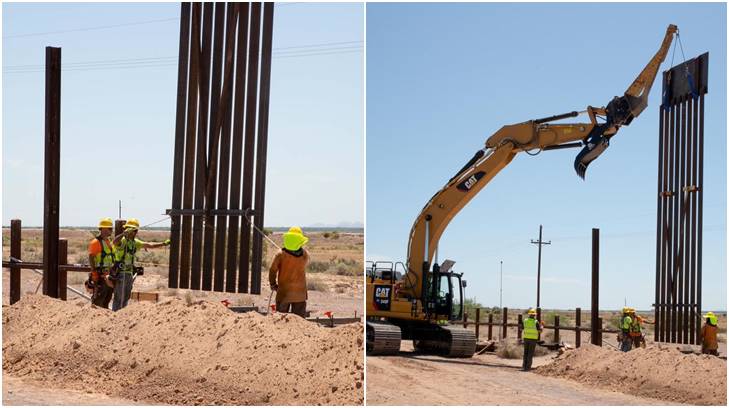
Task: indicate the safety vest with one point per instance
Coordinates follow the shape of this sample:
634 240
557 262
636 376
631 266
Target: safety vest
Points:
125 254
105 258
635 325
626 323
530 329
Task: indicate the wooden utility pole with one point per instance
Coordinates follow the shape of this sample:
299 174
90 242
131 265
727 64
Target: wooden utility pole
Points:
539 261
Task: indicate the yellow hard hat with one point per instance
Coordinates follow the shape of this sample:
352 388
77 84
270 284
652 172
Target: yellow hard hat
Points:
532 312
106 223
132 223
711 316
626 309
294 239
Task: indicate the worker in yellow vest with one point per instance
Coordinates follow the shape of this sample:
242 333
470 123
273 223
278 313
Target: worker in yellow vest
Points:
125 250
101 259
530 335
626 342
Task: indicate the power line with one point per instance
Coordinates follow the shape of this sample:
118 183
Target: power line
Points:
136 23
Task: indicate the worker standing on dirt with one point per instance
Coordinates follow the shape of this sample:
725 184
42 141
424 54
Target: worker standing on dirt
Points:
626 342
709 344
287 274
125 250
530 335
101 259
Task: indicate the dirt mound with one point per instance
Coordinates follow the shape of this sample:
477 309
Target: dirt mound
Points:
657 371
179 354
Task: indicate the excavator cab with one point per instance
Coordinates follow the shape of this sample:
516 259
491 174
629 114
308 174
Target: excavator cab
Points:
446 292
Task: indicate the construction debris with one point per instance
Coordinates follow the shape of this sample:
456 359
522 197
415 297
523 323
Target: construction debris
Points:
183 353
658 371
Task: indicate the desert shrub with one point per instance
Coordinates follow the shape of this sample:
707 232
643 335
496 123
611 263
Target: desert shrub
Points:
317 285
318 266
564 320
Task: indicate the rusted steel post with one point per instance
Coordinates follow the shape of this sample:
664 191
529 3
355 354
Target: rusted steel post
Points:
62 273
504 317
478 322
598 339
213 135
249 145
578 324
225 141
595 304
539 320
15 252
491 325
179 152
202 142
237 149
700 226
261 151
118 227
520 325
556 328
52 172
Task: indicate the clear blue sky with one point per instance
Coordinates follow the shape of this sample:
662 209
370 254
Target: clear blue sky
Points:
441 78
316 134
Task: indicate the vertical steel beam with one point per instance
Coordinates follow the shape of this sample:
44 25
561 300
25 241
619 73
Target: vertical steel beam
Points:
213 137
189 175
225 139
578 324
118 227
680 226
595 293
504 317
670 239
519 325
52 170
237 150
700 226
250 141
200 161
491 325
261 152
695 323
15 252
477 322
659 221
62 274
180 115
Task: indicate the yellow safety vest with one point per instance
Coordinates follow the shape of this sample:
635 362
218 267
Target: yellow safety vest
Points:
105 258
126 253
530 329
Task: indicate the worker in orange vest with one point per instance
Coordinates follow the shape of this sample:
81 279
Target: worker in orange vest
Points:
101 259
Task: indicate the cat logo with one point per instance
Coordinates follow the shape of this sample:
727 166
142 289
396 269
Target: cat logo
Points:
471 181
382 297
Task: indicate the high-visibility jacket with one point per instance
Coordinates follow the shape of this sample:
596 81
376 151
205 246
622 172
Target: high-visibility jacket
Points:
626 323
531 329
125 253
103 252
635 325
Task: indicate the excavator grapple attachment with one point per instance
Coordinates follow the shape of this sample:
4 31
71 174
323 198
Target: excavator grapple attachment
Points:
594 147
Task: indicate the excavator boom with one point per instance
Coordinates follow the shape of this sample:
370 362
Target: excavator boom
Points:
500 149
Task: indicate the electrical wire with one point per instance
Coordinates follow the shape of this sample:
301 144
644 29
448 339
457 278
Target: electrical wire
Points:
135 23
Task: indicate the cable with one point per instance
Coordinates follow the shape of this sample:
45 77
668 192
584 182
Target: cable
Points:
91 28
246 214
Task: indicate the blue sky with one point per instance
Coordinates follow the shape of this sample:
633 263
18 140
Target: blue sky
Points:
441 78
117 125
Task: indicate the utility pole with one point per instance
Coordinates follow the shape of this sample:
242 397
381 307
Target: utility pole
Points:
501 281
539 260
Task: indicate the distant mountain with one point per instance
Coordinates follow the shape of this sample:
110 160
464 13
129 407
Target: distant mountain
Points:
344 224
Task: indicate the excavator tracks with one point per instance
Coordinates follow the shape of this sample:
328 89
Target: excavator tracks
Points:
382 338
449 341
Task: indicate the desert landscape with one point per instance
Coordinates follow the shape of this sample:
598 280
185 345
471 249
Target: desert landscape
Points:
187 348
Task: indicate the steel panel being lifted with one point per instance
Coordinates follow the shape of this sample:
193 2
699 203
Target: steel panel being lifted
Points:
219 141
680 203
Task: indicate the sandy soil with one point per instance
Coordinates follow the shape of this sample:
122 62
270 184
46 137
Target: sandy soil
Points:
178 353
412 379
658 371
17 391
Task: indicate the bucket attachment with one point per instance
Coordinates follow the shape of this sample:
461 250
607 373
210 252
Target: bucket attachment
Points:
594 147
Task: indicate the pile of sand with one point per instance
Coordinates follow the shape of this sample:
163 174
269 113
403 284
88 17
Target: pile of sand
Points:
179 354
658 371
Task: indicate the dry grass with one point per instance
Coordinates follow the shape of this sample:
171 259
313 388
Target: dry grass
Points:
510 349
317 284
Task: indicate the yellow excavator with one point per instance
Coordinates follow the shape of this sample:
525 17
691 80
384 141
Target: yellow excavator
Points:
415 300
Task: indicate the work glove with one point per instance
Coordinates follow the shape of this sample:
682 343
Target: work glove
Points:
166 242
274 286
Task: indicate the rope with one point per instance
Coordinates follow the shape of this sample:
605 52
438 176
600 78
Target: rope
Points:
259 231
156 222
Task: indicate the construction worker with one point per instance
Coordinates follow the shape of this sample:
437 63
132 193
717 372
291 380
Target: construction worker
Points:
709 344
101 259
125 249
636 331
626 342
530 335
287 273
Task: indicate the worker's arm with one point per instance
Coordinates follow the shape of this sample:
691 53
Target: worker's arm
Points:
118 238
273 271
152 245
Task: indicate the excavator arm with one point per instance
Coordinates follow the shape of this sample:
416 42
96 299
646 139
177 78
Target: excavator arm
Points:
500 149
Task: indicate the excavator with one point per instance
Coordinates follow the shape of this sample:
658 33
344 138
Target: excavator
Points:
417 302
